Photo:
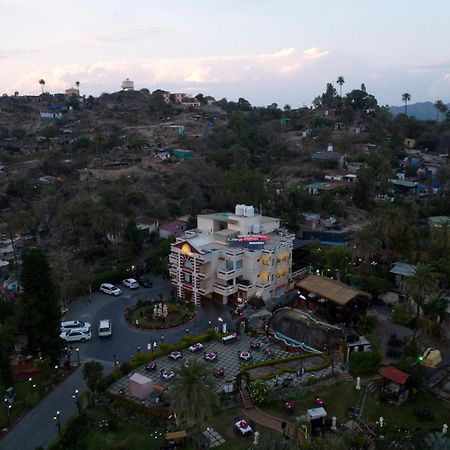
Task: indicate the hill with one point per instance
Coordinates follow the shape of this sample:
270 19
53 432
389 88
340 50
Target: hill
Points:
421 111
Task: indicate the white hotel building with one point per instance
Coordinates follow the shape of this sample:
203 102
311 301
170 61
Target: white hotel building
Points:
230 256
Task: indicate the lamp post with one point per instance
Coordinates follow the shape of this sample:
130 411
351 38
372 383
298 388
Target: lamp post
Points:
209 324
30 380
57 420
8 412
220 324
68 352
187 330
76 397
162 338
78 355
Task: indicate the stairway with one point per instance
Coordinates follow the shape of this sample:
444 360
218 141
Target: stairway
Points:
246 398
346 376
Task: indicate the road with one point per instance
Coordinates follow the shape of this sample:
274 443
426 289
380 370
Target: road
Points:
38 427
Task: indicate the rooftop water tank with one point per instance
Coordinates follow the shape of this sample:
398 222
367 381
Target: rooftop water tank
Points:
249 211
256 228
330 148
240 210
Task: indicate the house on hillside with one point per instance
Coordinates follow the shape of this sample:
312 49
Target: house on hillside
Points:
438 221
409 143
402 270
49 115
329 156
190 102
183 154
405 188
147 224
174 228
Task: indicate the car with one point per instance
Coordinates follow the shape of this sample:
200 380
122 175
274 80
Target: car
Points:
110 289
76 335
145 281
130 283
75 324
104 328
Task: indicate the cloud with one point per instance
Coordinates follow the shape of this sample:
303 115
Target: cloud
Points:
125 36
180 72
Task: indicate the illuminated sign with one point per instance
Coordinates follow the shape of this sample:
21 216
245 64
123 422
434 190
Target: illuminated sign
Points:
186 249
252 238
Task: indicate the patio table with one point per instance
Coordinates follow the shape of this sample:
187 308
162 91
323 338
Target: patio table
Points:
243 427
245 355
168 374
210 356
196 347
175 355
289 406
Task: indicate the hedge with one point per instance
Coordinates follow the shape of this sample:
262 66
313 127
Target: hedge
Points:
326 362
364 362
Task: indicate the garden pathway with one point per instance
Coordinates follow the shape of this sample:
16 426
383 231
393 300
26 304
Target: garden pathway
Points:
269 421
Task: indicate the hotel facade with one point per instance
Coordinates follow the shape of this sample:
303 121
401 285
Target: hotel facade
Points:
232 257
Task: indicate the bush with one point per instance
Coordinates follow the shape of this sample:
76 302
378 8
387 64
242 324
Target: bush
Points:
260 391
365 325
403 315
107 381
361 362
125 368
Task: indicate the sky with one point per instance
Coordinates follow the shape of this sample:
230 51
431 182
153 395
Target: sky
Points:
263 50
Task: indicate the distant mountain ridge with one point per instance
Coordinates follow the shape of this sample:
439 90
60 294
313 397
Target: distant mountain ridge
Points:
421 111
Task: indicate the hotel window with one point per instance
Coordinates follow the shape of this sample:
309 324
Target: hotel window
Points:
188 278
239 264
188 263
229 265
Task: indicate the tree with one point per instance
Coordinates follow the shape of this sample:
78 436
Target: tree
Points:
41 311
193 395
16 224
92 374
420 286
7 340
405 99
42 83
366 244
77 84
340 81
438 105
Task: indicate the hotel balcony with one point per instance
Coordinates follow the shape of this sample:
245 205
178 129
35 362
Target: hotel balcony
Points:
226 275
173 259
224 290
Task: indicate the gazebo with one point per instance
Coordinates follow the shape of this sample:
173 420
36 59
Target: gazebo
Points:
140 386
396 385
316 417
335 301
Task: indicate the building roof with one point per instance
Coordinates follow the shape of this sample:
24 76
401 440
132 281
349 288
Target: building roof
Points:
438 221
316 185
404 183
174 226
403 269
394 374
220 217
329 289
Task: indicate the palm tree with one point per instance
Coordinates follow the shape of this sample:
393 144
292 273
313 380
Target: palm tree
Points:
193 394
340 81
405 99
438 105
42 83
419 286
366 244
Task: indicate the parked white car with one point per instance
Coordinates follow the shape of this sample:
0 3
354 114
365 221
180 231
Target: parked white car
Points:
104 328
75 325
130 283
75 335
110 289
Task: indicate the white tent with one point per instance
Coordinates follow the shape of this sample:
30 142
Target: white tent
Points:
315 413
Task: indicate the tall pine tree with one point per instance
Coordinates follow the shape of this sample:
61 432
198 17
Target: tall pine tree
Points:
41 309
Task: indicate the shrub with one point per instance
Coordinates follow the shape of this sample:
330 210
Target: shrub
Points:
125 368
260 391
365 325
403 315
360 362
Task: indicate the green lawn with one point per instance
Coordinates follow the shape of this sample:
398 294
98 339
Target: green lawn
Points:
27 396
89 436
339 398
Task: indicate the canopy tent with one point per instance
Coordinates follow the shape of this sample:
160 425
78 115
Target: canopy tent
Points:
315 413
432 357
140 386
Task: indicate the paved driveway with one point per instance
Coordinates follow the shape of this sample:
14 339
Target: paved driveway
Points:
38 428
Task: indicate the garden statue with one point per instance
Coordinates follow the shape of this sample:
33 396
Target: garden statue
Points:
381 422
165 311
444 429
155 311
358 383
256 439
333 423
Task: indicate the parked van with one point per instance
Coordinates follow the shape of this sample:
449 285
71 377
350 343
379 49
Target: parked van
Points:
104 328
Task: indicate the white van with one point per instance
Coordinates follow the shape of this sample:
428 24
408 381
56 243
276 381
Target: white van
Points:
104 328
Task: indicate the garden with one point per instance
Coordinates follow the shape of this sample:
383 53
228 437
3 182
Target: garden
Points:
159 315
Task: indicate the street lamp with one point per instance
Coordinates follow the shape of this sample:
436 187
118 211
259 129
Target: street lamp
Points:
30 380
162 338
8 410
220 324
209 324
57 422
78 355
76 397
187 330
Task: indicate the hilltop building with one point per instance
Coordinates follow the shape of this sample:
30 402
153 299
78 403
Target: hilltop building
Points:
232 257
127 85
